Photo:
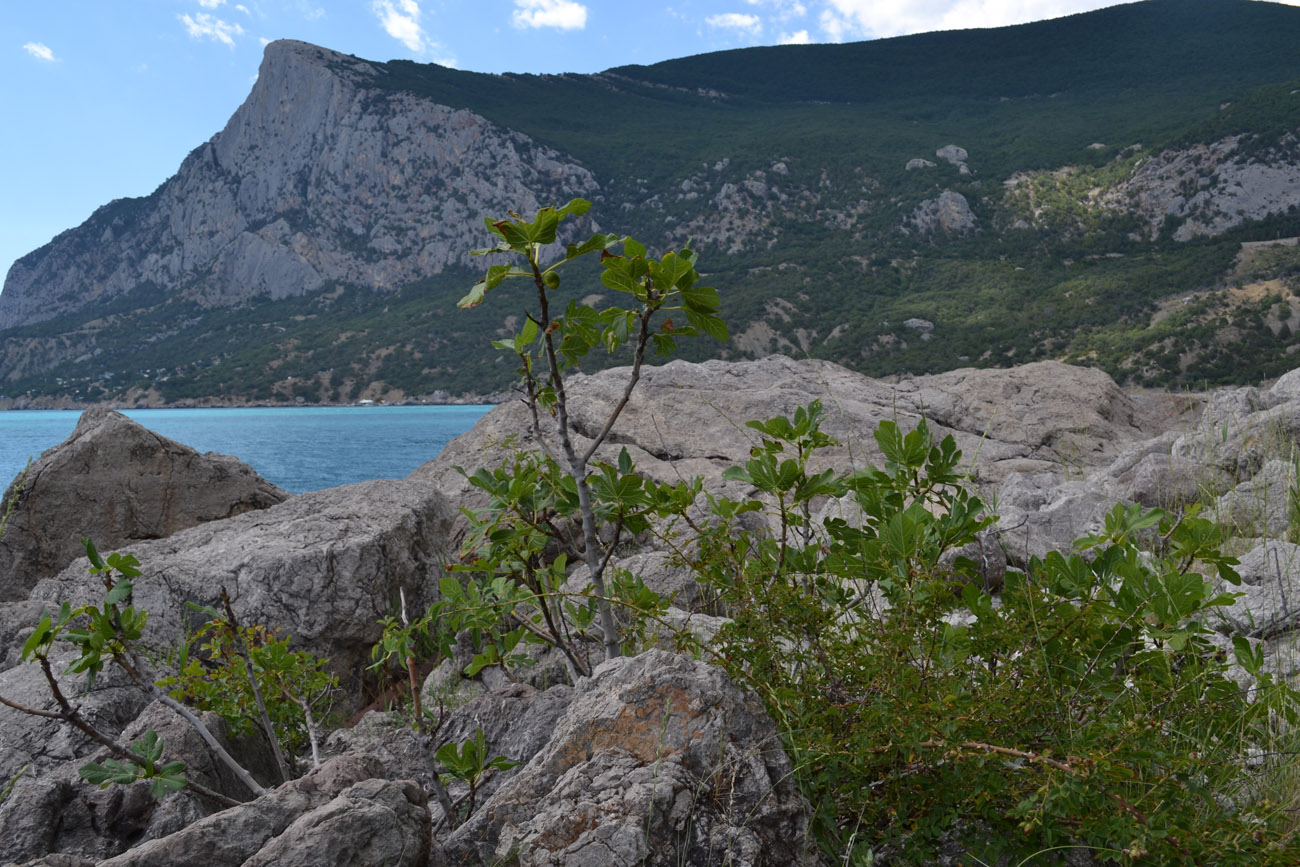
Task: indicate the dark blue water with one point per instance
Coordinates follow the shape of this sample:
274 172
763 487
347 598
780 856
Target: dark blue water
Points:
299 448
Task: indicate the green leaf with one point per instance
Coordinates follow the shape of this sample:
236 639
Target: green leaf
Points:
96 562
126 564
40 637
109 772
575 207
475 296
120 591
709 324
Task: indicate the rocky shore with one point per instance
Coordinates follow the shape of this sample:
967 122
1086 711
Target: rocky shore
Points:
654 759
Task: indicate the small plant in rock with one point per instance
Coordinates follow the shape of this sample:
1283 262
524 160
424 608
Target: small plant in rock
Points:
228 668
107 634
469 763
145 764
7 507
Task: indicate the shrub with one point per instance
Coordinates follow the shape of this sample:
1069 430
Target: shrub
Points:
1085 706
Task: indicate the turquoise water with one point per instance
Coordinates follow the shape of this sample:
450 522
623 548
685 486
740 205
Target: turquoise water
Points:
298 448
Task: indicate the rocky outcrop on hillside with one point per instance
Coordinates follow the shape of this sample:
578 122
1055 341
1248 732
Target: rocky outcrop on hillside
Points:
1212 187
950 213
319 176
115 483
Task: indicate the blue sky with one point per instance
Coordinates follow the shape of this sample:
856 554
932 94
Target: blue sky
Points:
103 98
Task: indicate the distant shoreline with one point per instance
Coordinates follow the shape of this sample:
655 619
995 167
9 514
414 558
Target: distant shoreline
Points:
29 404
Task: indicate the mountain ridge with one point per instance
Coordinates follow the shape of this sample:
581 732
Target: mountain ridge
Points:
314 247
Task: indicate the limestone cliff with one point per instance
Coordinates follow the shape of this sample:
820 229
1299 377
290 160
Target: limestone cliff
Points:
319 176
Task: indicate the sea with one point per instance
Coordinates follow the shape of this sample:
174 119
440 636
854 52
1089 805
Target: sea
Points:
298 448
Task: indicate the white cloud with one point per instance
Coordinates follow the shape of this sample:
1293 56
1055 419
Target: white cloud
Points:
401 20
862 19
784 10
242 8
750 24
205 25
40 51
799 37
560 14
211 4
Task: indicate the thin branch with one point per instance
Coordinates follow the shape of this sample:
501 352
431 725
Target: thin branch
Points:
31 711
242 645
197 724
643 337
578 470
311 724
73 716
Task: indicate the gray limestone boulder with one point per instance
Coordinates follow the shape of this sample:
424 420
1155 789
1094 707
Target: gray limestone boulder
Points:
53 812
687 420
1166 481
322 568
656 760
344 812
1286 389
1269 602
1042 512
950 214
1263 505
374 823
1240 444
116 482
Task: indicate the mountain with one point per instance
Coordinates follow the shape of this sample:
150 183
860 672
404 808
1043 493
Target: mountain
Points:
1114 188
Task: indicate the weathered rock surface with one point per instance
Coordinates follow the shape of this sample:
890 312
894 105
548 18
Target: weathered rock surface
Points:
950 213
688 419
345 812
43 743
1269 604
657 760
322 567
116 482
54 811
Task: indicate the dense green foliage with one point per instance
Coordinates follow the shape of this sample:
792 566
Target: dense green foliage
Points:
1083 706
214 675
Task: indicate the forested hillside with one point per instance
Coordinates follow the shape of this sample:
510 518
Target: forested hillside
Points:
1093 189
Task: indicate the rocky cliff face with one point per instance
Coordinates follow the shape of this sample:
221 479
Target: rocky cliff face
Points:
319 176
1212 187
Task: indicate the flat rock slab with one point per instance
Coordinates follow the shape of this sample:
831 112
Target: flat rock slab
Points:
686 420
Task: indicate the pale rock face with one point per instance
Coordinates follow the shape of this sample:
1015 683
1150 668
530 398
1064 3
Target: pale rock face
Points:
316 153
950 213
952 153
321 567
1213 187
